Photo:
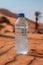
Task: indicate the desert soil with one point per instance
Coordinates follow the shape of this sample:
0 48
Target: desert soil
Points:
9 57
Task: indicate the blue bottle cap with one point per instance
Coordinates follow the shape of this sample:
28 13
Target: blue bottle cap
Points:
21 15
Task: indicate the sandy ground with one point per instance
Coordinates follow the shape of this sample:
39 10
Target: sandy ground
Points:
7 45
9 57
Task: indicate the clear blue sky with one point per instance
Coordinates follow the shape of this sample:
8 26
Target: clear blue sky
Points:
26 6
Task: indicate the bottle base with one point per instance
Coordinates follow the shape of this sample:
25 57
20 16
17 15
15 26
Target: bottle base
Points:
22 52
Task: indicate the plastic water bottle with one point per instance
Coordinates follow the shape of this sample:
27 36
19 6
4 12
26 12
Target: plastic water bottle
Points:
21 35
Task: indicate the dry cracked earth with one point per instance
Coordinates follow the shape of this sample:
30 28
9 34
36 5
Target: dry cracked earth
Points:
9 57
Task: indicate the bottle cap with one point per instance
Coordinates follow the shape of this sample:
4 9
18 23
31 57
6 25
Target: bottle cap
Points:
21 15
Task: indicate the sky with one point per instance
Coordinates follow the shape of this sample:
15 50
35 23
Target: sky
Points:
28 7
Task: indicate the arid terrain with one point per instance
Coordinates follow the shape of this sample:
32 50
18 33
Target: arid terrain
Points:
7 44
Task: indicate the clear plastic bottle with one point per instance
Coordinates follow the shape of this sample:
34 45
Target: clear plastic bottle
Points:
21 35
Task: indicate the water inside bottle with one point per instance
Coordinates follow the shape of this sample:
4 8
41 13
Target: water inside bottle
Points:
21 39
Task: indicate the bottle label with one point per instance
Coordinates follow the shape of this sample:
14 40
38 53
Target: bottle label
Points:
19 32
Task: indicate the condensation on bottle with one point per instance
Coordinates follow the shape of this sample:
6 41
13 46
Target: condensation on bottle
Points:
21 35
